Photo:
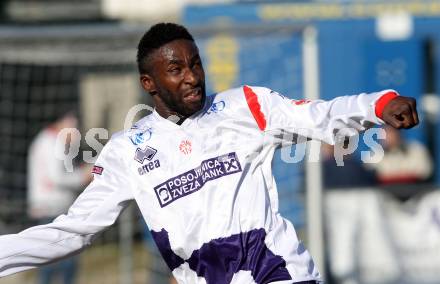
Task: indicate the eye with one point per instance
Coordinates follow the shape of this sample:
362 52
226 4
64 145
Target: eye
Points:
197 63
174 70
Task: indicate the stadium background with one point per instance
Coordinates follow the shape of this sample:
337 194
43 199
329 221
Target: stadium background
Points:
73 52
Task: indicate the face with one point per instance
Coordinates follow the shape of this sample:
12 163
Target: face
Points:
177 79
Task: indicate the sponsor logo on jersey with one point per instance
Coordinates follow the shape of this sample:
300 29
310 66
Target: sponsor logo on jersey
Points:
140 137
145 154
97 170
216 107
193 180
185 147
148 167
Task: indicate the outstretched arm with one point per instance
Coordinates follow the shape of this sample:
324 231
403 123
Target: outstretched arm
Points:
95 209
319 119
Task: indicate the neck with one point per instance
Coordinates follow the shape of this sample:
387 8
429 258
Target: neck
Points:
164 111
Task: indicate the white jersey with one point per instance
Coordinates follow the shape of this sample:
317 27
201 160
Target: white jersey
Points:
205 189
51 189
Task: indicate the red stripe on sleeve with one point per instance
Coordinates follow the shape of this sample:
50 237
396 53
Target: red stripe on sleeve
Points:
383 101
255 107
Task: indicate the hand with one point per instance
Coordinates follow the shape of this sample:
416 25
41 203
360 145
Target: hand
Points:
401 112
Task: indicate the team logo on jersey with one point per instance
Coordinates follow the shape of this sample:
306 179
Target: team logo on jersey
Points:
193 180
140 137
216 107
145 154
185 147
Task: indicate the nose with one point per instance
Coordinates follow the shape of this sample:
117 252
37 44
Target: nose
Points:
191 77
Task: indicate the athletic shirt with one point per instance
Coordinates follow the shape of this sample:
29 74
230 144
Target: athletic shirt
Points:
205 188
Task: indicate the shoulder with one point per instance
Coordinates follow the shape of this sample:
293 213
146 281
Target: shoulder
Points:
242 90
43 137
114 151
124 140
138 133
245 103
241 95
42 145
258 90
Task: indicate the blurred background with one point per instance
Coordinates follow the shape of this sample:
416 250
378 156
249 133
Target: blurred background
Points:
372 223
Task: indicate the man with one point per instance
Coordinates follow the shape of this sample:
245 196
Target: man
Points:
202 179
404 162
353 170
51 189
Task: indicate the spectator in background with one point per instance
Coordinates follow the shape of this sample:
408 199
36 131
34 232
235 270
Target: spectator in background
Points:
351 174
52 189
403 162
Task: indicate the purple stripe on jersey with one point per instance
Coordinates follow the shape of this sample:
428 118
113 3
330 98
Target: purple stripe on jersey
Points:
163 243
218 260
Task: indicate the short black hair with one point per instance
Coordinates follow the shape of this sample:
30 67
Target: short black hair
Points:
157 36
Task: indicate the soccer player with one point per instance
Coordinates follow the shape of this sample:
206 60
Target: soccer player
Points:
202 179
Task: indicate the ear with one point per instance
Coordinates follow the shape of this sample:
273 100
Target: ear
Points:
148 84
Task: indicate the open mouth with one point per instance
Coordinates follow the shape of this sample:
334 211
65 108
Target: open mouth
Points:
195 95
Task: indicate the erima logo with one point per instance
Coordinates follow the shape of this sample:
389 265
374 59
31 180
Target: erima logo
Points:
146 154
193 180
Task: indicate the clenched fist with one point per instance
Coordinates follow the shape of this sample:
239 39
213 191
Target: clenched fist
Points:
401 112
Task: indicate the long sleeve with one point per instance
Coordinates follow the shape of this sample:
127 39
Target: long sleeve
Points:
95 209
317 119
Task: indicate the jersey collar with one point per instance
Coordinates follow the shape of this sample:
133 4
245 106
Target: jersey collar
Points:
167 123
